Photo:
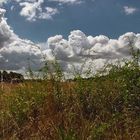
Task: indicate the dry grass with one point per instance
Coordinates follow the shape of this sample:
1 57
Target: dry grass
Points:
100 108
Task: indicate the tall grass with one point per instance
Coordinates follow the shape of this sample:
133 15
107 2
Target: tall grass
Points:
103 107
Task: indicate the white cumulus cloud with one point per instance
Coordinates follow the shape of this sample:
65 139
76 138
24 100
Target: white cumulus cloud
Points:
33 10
84 52
14 51
129 10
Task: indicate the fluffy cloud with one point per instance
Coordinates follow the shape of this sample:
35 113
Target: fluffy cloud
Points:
14 51
49 13
33 10
79 52
129 10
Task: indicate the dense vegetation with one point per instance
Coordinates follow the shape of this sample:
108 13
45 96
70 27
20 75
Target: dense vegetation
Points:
10 77
104 107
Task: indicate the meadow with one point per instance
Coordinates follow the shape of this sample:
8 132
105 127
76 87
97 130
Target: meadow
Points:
103 107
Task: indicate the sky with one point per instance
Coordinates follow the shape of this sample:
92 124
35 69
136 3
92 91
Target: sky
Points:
94 17
70 31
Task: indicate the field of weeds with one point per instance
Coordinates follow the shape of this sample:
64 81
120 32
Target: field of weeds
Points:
103 107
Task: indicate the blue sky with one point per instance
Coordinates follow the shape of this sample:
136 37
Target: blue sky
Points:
93 17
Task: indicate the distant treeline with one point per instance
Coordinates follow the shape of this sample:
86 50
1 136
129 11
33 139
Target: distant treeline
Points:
11 77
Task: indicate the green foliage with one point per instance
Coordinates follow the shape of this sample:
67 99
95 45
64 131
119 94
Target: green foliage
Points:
24 100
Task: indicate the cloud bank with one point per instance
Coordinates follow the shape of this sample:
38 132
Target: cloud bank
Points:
78 52
14 51
81 52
